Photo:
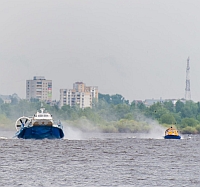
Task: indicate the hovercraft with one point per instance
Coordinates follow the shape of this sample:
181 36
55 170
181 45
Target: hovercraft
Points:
40 126
172 133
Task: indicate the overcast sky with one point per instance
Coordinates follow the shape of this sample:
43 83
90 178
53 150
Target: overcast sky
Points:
136 48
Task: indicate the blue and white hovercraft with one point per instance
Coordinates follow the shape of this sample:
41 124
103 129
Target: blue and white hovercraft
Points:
39 126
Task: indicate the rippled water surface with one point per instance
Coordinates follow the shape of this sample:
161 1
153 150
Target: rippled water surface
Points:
100 160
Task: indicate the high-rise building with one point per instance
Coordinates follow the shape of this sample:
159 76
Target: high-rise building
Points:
79 87
39 88
80 95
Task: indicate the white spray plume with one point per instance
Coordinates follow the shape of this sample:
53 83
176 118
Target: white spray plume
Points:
72 133
156 130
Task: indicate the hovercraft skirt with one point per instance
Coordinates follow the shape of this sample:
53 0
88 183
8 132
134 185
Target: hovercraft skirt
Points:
172 137
40 132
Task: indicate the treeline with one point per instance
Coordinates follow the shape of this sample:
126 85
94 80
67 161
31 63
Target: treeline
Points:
112 113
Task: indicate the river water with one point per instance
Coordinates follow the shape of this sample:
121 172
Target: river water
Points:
100 160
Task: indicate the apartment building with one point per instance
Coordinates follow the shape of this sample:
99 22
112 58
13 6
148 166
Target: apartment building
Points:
80 95
39 88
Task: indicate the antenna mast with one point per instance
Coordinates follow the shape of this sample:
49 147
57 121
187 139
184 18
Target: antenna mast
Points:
187 88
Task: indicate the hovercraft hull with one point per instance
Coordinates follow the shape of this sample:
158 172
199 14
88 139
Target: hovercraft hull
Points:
172 137
40 132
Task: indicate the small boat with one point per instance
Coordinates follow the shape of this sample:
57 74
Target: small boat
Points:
39 126
172 133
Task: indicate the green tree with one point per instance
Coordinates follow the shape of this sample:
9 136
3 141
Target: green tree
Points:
133 105
104 97
186 112
121 110
178 106
141 106
189 110
169 106
117 99
1 101
189 122
177 117
14 101
189 130
167 118
156 111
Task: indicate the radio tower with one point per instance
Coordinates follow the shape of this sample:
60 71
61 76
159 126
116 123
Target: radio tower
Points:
187 88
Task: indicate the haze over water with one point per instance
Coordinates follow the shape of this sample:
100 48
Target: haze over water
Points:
100 160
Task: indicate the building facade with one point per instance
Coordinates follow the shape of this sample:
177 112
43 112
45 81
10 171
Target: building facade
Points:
81 95
39 88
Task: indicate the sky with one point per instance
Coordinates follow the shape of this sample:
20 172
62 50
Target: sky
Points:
136 48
